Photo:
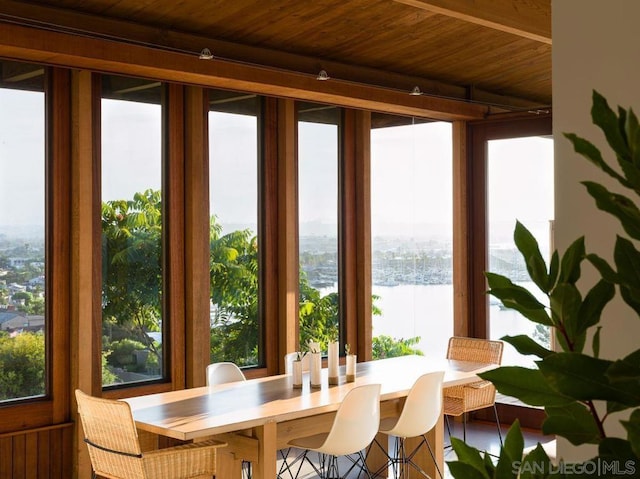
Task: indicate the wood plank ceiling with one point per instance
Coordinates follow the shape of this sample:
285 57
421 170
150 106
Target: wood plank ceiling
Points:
494 51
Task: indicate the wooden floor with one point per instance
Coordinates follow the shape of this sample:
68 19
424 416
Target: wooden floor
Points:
481 435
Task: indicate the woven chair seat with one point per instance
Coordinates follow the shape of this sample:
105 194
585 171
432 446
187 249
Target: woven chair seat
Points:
115 452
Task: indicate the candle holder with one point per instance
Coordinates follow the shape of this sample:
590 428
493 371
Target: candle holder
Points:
351 368
333 362
316 369
297 373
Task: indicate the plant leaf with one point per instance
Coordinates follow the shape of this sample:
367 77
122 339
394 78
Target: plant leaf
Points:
604 117
584 378
571 259
626 369
528 385
565 303
573 422
528 246
606 271
595 344
525 345
618 205
594 302
461 470
591 153
554 269
536 465
514 442
633 431
470 456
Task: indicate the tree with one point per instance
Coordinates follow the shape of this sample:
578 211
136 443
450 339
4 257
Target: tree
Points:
132 266
22 365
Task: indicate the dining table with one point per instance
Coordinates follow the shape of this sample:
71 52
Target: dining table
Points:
258 417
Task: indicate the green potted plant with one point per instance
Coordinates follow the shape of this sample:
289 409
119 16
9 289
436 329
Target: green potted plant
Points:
578 390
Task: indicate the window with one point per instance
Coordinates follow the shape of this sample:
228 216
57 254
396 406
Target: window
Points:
318 160
520 187
132 224
411 223
233 199
23 313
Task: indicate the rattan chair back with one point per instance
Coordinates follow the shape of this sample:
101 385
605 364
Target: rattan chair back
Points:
476 350
108 426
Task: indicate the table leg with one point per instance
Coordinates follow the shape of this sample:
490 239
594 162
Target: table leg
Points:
227 465
265 466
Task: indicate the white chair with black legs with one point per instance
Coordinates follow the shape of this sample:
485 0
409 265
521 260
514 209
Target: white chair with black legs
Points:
222 373
420 413
354 427
286 466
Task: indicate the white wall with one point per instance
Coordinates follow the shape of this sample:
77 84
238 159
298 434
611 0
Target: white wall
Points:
596 45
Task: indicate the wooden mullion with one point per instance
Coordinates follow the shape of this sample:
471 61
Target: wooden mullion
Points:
462 189
196 228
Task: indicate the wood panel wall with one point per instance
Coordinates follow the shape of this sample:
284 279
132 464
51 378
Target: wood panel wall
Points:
44 453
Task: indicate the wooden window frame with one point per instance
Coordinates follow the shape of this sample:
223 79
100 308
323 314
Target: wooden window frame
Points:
54 407
479 133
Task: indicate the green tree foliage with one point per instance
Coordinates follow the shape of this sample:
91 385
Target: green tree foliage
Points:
387 347
22 365
234 295
578 390
131 266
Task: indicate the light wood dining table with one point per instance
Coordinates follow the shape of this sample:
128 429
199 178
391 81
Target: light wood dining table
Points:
258 417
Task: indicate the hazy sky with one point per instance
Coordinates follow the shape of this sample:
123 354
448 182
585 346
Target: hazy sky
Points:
21 157
411 168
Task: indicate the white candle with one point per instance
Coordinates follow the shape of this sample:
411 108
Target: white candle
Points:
316 370
333 360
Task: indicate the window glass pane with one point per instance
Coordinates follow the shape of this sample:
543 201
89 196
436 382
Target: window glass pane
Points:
22 231
318 147
520 187
411 223
131 230
233 190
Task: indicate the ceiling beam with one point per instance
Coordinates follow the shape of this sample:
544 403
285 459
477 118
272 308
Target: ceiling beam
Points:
55 18
108 56
526 18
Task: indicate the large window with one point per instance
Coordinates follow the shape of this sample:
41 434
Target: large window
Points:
519 187
411 223
318 160
132 223
233 253
23 324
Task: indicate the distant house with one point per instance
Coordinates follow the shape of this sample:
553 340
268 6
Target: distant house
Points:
20 322
16 288
18 262
37 281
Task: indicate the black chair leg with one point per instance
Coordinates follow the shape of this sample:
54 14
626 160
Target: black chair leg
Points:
495 411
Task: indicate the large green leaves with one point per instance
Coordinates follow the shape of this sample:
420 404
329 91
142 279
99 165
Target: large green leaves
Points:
584 378
516 297
528 385
633 430
573 422
528 246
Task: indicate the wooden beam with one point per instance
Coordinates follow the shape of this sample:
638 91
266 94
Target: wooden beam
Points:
525 18
65 49
94 25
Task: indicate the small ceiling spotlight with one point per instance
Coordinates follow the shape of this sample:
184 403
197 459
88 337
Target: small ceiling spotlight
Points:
322 75
416 91
205 54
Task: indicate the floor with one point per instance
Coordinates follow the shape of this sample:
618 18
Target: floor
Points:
483 436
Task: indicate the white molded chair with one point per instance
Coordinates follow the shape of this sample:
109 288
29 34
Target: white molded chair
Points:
115 451
222 373
419 415
288 362
354 427
288 370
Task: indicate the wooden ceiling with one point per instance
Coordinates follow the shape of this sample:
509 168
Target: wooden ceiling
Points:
493 51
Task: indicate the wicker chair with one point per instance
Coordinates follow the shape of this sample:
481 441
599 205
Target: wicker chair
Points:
459 400
114 449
